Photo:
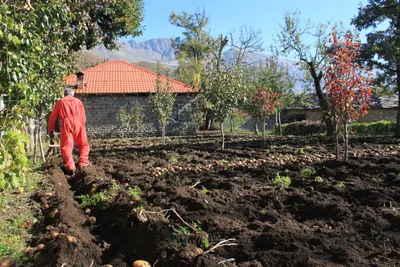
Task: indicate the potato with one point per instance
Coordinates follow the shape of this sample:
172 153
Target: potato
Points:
53 213
54 235
28 251
40 246
45 193
91 220
71 239
141 263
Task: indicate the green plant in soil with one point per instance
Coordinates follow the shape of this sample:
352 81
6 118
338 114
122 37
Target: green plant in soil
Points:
197 226
283 181
204 191
206 243
318 179
173 159
340 185
308 172
88 200
135 192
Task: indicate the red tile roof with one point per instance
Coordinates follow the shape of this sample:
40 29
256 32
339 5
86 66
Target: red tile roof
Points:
121 77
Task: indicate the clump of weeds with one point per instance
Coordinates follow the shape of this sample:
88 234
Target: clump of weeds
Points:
283 181
135 192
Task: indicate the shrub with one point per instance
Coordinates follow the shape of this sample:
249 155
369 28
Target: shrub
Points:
378 128
13 159
303 128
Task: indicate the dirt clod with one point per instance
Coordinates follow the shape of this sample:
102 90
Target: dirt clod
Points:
8 262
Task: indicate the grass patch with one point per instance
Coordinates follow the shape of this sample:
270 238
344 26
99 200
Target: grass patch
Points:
16 218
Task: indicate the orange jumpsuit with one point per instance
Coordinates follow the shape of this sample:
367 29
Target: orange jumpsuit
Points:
72 116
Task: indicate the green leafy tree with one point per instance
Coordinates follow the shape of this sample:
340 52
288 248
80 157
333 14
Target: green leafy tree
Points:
130 119
276 78
163 102
194 47
39 40
382 49
311 56
224 87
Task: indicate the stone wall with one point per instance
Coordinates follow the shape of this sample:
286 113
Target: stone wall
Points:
102 112
379 114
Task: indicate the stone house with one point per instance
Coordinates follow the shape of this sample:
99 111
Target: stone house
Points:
382 108
110 86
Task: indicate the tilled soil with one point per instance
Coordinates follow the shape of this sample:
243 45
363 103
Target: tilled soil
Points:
193 196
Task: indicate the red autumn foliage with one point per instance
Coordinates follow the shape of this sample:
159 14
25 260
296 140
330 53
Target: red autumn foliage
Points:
264 102
348 85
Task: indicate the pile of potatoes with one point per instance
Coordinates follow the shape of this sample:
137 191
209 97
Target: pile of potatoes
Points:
276 160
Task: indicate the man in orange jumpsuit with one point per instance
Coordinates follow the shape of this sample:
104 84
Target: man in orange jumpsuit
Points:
72 116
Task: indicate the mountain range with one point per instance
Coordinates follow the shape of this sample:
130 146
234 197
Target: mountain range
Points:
160 50
154 50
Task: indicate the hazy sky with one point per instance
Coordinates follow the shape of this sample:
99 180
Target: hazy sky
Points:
227 15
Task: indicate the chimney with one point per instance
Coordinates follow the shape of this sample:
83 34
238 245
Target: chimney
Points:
79 77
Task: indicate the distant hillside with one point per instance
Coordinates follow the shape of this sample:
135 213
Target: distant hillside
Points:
87 60
153 67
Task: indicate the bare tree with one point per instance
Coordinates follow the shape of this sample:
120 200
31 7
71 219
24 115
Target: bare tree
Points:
313 56
249 41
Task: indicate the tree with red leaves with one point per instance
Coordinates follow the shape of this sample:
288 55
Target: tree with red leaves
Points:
262 104
348 85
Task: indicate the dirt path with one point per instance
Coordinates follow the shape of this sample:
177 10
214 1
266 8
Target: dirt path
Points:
333 213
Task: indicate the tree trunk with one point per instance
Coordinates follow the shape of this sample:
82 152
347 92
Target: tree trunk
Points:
222 136
321 98
279 122
336 135
41 144
31 130
232 124
35 133
1 111
163 133
256 127
397 127
263 128
346 140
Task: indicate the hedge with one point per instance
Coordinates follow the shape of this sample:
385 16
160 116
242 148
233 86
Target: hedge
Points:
303 128
378 128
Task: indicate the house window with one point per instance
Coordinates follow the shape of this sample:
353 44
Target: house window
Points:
176 112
